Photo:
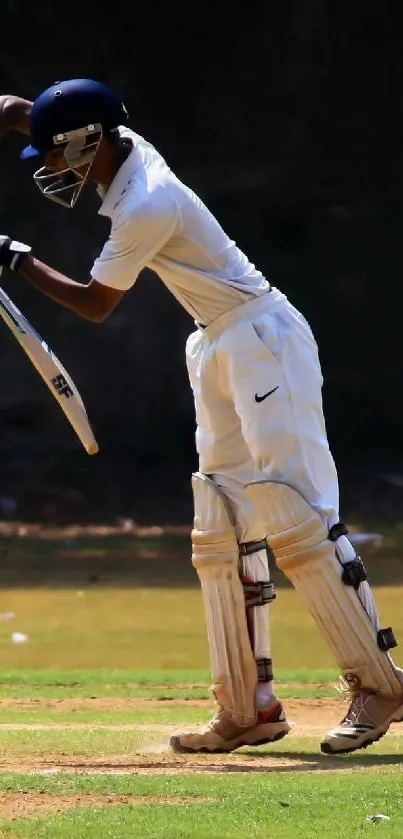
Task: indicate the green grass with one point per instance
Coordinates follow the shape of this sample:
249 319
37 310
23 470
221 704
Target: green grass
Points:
258 805
151 628
37 695
159 684
100 743
149 643
93 717
83 682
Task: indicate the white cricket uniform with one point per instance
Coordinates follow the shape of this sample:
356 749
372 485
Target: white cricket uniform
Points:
253 361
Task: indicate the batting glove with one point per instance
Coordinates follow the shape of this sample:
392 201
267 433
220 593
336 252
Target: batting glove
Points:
12 253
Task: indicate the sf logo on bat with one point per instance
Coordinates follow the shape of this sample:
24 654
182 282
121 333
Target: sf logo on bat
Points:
62 386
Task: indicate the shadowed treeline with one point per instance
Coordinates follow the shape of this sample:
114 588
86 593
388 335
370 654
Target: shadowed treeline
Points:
287 119
85 561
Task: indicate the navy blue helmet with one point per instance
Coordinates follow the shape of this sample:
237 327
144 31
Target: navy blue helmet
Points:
71 117
70 105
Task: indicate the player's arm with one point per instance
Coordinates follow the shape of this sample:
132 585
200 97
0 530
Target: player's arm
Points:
131 245
14 114
93 301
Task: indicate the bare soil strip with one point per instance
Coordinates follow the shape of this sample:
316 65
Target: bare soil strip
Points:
169 764
35 804
308 717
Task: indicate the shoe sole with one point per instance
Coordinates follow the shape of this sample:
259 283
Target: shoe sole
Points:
176 745
326 748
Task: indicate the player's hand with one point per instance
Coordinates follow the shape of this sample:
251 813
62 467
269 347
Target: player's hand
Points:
14 114
12 253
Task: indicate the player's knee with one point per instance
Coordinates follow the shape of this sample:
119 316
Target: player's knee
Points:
215 545
297 535
245 516
295 532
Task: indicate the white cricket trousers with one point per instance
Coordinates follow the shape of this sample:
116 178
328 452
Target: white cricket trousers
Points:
257 384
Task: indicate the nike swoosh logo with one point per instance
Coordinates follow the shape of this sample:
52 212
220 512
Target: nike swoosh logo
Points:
265 395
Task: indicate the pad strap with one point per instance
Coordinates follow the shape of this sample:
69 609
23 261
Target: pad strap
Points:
264 669
247 548
259 592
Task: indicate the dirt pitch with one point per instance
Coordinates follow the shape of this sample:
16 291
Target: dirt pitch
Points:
308 718
36 804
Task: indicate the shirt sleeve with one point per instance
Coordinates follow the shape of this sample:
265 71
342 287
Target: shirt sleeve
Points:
137 235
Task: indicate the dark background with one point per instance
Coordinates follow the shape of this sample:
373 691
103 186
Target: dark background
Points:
286 117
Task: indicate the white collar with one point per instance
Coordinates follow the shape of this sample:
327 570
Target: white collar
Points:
116 188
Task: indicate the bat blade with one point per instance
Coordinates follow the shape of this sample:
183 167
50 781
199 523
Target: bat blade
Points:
51 370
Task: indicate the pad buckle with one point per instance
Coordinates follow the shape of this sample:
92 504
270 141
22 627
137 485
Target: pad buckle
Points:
338 529
386 639
354 572
264 669
259 593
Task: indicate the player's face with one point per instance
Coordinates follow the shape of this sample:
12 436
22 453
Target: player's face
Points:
67 167
54 160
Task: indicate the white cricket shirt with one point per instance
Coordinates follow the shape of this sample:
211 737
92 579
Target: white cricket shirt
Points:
159 223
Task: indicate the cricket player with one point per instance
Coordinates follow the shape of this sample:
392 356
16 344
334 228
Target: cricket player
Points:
267 477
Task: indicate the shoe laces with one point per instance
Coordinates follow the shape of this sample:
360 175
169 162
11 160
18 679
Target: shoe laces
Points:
358 700
345 690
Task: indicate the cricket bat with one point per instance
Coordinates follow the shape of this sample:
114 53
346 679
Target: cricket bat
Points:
52 371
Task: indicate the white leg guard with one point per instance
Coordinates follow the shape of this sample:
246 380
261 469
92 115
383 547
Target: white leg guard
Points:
332 581
259 592
216 556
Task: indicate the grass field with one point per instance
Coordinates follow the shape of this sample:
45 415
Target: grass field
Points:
149 628
109 671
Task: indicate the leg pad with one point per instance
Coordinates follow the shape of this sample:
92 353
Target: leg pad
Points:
338 598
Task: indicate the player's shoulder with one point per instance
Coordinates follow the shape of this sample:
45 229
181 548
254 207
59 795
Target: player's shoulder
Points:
149 191
146 196
144 214
139 202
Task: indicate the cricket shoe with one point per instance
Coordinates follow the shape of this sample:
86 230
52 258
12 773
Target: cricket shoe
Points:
222 734
367 720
